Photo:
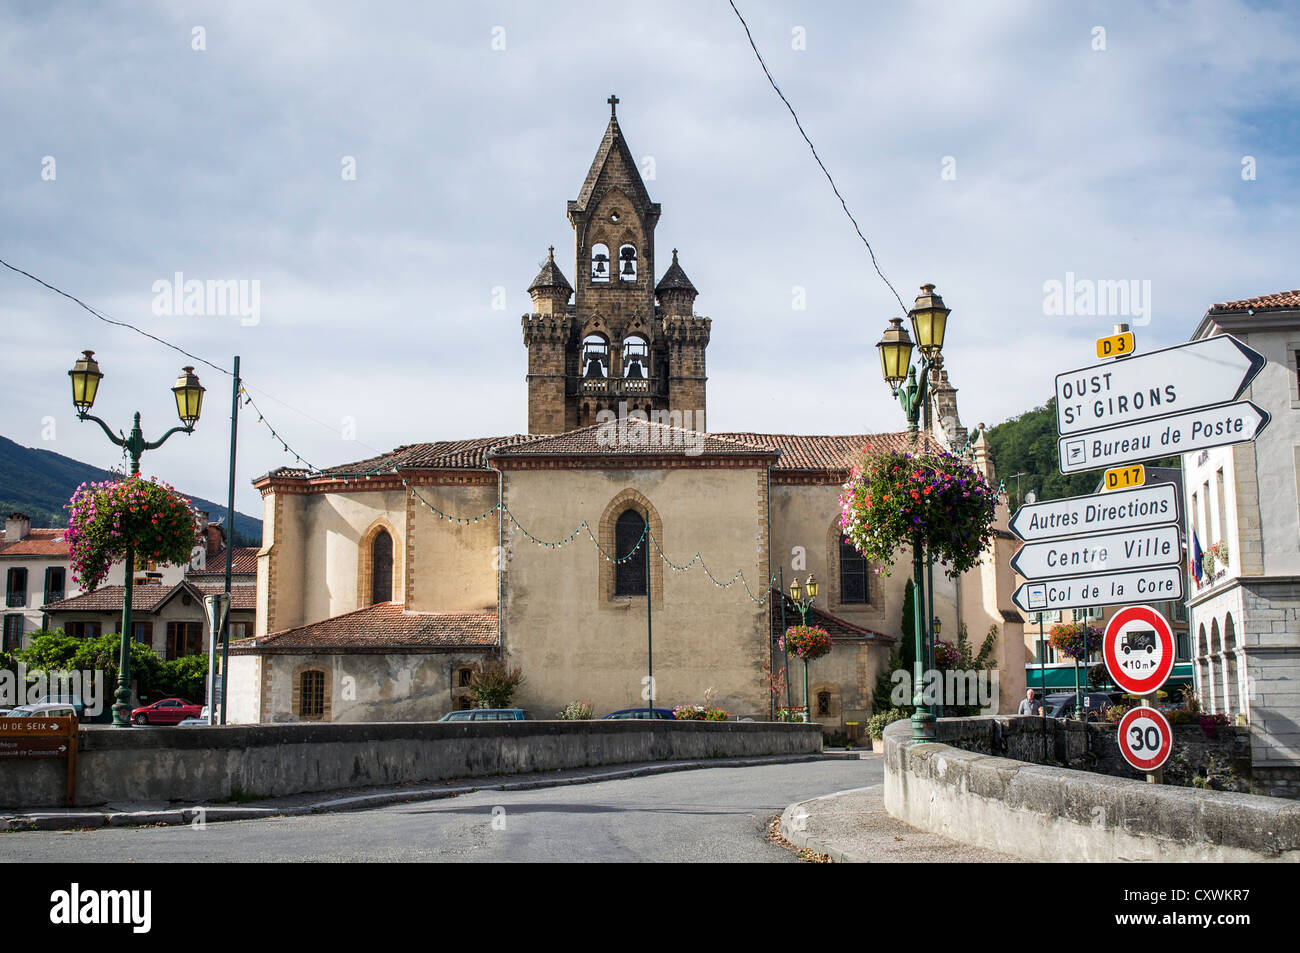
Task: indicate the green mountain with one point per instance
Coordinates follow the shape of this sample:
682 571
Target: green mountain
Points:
1027 445
39 483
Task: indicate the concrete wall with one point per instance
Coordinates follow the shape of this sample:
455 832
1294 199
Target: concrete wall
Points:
202 764
1058 814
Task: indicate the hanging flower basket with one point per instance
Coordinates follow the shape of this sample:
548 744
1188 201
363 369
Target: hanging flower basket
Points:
946 655
105 517
807 642
891 498
1076 639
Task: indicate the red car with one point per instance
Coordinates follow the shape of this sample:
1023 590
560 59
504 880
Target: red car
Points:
169 711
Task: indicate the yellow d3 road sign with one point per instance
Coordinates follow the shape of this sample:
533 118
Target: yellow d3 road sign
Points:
1117 345
1124 478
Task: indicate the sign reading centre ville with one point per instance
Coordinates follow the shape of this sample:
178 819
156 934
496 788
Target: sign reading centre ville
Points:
1099 513
1108 552
1145 738
1138 649
1185 377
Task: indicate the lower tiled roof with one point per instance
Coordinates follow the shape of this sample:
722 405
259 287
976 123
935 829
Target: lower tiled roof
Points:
150 598
381 628
840 630
38 542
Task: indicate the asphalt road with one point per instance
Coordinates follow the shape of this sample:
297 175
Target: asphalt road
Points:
715 815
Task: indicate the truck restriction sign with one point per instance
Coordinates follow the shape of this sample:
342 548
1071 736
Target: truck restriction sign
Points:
1139 649
1145 738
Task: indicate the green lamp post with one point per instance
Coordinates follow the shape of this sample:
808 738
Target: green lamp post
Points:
188 391
804 604
929 324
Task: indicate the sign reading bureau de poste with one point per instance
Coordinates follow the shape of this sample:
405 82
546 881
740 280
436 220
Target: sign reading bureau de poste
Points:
1185 432
1151 505
1171 380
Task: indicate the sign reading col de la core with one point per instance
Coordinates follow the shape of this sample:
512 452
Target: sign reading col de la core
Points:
1145 738
1138 649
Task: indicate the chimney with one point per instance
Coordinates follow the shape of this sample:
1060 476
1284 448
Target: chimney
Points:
17 527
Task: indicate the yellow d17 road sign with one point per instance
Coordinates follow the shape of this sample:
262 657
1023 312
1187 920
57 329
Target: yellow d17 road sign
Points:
1117 345
1124 478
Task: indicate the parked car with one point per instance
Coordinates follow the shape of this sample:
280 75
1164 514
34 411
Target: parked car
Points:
488 714
199 722
42 710
660 714
168 711
72 700
1062 705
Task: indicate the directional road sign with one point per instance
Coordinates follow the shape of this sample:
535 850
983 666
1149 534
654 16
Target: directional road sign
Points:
1184 377
1124 509
1145 738
1138 648
1101 589
1107 552
1162 437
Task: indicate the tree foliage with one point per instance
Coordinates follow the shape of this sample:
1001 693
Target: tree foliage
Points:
1027 445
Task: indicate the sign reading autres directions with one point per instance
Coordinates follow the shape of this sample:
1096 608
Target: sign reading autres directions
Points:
1150 505
1185 377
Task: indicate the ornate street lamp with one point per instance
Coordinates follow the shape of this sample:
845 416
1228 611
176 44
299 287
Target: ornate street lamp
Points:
85 375
804 604
929 318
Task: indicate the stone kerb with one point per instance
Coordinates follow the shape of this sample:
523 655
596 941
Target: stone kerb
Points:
1047 813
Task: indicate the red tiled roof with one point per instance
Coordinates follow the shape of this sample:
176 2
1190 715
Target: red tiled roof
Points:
816 452
1280 300
468 454
150 598
38 542
840 630
632 437
382 627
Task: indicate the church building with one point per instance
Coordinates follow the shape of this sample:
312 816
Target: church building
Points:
618 536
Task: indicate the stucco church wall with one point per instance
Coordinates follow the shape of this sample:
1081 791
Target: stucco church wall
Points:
453 566
573 643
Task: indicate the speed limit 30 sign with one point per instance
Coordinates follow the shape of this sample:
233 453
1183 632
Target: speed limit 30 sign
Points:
1139 649
1145 738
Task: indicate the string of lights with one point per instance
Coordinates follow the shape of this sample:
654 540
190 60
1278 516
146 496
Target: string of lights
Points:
584 526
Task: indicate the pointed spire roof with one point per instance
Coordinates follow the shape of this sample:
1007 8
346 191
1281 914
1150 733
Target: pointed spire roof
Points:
612 147
675 279
550 276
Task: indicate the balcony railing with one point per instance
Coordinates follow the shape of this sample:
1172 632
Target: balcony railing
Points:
53 595
13 599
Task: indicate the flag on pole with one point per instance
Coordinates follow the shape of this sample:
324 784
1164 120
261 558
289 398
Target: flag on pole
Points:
1198 558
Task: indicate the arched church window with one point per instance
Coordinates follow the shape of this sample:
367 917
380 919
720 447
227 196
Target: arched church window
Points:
853 575
595 356
627 262
599 262
629 571
636 358
381 578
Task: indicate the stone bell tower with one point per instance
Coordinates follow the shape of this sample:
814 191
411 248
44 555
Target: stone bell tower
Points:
624 342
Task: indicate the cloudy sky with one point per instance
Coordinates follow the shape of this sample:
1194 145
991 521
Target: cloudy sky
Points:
989 148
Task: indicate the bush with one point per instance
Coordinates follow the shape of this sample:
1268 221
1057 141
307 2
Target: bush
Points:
495 685
877 724
576 711
185 677
55 651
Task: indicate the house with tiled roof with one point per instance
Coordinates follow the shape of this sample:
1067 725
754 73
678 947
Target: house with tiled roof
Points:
616 549
1240 504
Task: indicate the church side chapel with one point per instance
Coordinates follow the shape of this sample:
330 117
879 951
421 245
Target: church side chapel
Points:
384 584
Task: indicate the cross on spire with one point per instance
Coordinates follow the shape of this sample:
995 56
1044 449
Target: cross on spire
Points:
613 104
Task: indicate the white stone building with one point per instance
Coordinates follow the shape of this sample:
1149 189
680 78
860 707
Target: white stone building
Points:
1243 498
